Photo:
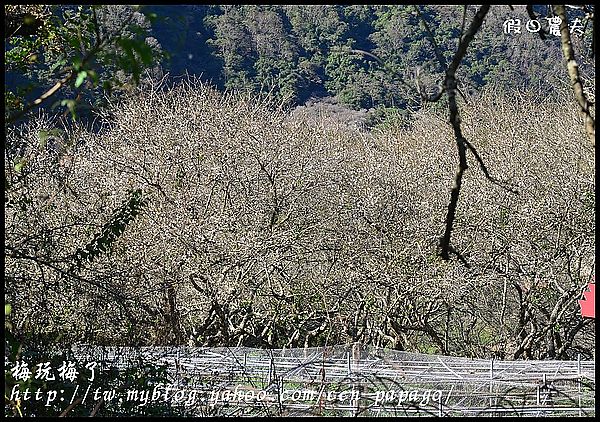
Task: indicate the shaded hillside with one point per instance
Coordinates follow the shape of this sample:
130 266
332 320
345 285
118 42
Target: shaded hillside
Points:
303 52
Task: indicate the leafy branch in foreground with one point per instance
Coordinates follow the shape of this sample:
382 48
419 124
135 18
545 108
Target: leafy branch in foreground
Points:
111 231
77 53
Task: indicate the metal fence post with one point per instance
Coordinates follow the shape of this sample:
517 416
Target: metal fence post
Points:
579 382
356 351
491 380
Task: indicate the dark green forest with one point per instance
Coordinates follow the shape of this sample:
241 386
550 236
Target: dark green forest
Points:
298 53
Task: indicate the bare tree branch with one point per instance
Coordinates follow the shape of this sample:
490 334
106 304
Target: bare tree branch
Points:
542 32
436 49
485 170
573 69
455 121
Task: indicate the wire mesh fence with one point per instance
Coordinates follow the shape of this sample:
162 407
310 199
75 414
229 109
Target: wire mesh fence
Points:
352 380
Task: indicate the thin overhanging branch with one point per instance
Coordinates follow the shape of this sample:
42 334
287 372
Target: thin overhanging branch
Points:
542 32
450 87
121 299
467 38
573 70
462 166
486 172
58 85
461 143
436 49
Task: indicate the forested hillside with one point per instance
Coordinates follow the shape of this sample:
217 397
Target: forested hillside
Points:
301 52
